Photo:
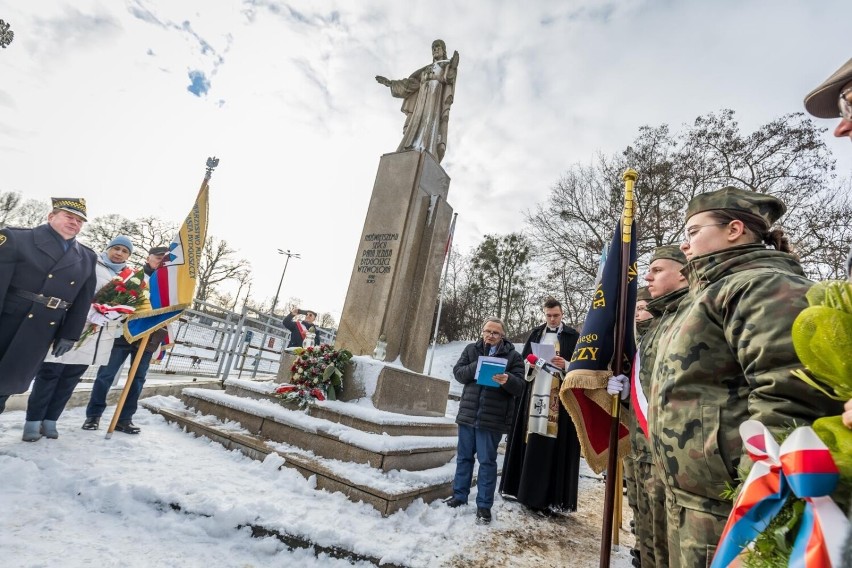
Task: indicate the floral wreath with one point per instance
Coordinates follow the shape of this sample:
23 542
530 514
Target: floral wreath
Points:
316 374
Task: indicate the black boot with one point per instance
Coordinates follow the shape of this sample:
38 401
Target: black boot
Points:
483 516
453 502
127 427
91 423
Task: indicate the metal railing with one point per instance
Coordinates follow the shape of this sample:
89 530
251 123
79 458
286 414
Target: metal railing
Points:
217 343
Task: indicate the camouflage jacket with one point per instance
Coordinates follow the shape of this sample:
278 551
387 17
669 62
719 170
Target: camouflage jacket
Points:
664 309
726 358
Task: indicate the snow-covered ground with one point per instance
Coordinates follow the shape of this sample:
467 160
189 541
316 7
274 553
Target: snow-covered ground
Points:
165 498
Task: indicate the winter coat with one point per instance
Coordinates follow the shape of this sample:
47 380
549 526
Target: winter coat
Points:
483 407
34 261
726 358
296 339
664 309
96 348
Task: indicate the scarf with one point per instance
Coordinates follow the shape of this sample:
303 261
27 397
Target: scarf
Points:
114 266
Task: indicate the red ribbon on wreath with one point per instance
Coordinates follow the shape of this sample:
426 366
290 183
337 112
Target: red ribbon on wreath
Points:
803 465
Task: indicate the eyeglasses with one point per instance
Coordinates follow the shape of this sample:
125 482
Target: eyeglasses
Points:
491 333
844 105
690 232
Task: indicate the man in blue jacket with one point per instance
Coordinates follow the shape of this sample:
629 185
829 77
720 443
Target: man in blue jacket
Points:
47 281
485 414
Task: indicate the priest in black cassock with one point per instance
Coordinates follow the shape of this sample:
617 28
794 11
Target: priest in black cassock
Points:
541 470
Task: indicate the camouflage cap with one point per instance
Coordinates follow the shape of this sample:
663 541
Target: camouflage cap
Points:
822 101
643 294
669 252
768 207
75 205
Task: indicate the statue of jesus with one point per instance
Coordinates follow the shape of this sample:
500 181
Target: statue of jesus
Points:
427 96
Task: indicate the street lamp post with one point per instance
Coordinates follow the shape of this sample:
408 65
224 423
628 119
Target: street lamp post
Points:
289 255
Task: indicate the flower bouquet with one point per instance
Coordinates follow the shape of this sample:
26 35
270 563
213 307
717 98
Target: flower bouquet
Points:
316 374
117 298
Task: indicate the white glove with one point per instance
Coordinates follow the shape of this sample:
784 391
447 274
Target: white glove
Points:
619 384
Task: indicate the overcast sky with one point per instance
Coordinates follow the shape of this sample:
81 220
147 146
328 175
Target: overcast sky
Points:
122 102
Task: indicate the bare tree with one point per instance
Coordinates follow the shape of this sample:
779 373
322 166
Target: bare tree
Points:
17 212
101 230
217 265
245 280
326 320
785 157
144 233
9 202
154 232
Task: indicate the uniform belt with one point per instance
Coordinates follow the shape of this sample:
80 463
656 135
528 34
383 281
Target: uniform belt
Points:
49 301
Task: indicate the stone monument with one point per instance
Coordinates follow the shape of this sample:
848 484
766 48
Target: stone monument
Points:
394 284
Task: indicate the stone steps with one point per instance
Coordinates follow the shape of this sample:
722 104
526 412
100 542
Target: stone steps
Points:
323 437
349 414
385 492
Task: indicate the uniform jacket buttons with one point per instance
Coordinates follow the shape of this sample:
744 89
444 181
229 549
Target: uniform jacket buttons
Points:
72 282
30 315
53 323
50 275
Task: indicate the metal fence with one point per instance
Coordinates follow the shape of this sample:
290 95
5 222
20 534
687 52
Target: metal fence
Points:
212 342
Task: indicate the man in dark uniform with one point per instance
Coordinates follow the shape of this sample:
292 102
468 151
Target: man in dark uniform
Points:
543 471
47 282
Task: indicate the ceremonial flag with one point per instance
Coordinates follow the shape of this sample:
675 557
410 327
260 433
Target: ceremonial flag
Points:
172 284
583 391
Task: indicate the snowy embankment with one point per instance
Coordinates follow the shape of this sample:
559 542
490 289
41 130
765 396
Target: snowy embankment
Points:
164 498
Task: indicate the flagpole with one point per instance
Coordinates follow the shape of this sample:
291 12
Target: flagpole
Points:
618 366
140 350
441 292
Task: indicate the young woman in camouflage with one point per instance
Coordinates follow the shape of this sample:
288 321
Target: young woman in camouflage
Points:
726 358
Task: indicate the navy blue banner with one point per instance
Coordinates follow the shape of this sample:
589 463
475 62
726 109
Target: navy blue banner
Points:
595 348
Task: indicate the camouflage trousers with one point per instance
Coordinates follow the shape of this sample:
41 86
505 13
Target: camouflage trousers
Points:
692 536
650 515
627 471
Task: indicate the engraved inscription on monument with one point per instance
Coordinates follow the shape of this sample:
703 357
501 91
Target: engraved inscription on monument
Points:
377 254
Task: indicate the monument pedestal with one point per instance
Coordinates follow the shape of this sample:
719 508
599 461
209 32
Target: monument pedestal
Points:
395 278
389 388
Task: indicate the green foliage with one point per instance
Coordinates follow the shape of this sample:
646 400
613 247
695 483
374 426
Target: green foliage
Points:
773 546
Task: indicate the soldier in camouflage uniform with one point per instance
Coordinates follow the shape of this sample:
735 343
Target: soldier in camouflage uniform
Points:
643 320
725 358
667 287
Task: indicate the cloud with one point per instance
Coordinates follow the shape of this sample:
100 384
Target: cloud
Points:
6 100
542 85
199 84
144 14
71 31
